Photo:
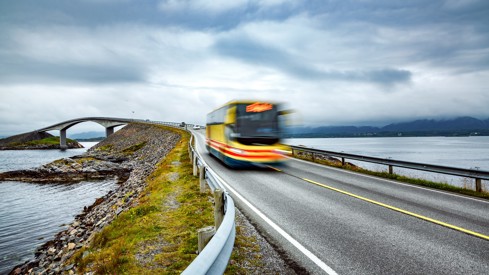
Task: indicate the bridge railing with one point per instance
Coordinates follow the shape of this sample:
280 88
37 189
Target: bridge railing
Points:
478 175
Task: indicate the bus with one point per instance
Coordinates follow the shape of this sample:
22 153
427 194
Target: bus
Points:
246 133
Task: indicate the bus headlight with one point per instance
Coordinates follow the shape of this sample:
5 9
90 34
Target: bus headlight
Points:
282 152
237 151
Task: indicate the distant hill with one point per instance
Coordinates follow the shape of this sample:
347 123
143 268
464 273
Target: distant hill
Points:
462 126
35 140
88 135
26 137
457 124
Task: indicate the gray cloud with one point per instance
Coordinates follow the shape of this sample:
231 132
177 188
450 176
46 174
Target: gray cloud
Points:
177 60
23 70
253 52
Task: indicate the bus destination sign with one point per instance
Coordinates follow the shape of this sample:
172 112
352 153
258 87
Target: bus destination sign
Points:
258 107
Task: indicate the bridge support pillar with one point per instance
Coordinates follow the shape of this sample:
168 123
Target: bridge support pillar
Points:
109 131
62 139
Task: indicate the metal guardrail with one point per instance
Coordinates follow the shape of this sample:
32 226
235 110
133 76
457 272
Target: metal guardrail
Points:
214 258
478 175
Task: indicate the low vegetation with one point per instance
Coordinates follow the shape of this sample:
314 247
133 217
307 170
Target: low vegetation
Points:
107 147
45 141
417 181
132 149
159 234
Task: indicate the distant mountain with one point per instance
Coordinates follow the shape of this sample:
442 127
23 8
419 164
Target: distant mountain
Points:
462 126
87 135
461 123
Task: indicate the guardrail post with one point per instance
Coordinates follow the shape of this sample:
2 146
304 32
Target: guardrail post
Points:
218 207
478 185
313 157
202 179
194 161
204 236
305 153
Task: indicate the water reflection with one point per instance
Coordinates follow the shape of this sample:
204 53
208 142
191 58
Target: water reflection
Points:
31 214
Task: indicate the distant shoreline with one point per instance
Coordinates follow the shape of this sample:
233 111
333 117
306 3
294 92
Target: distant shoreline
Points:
388 134
97 139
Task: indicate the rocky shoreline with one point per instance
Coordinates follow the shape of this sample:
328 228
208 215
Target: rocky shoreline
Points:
70 170
128 155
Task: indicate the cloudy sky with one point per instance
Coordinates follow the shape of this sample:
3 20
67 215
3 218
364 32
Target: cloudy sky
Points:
337 62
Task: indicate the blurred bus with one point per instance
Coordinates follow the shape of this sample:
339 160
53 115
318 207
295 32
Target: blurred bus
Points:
245 133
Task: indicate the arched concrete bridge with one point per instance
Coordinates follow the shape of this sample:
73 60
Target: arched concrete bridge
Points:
108 122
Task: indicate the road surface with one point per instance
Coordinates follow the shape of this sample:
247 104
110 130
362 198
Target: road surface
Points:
333 221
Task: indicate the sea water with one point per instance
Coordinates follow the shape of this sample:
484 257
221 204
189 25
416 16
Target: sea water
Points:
31 214
461 152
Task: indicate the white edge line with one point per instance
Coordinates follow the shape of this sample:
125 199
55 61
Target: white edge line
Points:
390 181
284 234
277 228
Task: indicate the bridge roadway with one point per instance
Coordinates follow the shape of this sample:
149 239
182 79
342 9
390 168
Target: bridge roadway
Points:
349 235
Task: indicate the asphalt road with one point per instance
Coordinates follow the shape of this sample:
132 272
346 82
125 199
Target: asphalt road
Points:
335 221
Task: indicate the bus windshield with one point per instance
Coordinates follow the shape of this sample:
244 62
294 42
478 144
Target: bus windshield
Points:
257 123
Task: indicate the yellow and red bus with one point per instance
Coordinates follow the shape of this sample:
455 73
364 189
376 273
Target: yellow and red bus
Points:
245 133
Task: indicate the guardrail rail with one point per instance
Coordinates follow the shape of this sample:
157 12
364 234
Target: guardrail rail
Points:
214 258
478 175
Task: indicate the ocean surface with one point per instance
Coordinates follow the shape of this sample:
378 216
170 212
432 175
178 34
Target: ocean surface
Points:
31 214
460 152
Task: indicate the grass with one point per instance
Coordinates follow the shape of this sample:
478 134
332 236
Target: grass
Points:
134 148
397 177
246 257
45 141
81 161
105 148
159 234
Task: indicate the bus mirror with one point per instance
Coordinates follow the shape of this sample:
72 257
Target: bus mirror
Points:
285 112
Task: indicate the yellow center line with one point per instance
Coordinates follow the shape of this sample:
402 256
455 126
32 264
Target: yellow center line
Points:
451 226
276 169
470 232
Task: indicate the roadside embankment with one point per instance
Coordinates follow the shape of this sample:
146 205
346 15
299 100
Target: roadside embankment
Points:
149 224
130 154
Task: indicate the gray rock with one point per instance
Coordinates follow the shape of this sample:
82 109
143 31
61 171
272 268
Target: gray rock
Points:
132 168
